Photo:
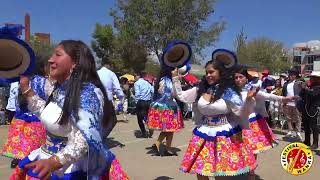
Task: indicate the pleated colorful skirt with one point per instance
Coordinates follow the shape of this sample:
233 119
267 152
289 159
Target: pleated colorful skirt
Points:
116 173
260 137
24 137
164 117
218 151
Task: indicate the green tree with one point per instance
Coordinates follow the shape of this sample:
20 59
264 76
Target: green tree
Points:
129 56
240 46
123 53
103 42
262 53
152 24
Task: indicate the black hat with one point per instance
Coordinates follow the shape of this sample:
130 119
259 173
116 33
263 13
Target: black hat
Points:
294 70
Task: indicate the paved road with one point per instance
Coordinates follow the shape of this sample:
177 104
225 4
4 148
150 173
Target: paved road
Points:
137 157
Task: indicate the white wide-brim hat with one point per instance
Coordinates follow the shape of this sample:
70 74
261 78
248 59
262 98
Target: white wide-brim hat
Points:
227 57
176 54
315 74
16 58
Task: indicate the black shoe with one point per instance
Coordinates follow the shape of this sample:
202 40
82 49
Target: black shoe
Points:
14 163
144 135
314 146
167 153
150 133
155 148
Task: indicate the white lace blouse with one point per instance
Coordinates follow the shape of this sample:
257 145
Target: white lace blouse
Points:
49 115
240 113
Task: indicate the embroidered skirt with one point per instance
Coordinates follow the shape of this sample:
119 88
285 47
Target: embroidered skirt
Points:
260 136
74 172
23 137
116 173
218 151
164 117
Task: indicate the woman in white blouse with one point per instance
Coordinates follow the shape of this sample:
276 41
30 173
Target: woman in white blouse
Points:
74 111
259 137
216 148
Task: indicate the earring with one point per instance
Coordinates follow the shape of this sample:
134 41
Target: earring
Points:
71 70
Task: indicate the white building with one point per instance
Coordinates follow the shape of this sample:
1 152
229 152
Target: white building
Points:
307 55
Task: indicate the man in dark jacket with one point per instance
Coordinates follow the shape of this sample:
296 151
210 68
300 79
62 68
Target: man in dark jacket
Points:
292 88
311 101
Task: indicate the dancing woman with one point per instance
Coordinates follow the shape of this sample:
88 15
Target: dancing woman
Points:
26 132
259 137
164 113
74 115
216 148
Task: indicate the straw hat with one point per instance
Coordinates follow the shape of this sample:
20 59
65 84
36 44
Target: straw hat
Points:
176 54
16 56
227 57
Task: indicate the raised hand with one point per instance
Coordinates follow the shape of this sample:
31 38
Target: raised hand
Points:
253 92
24 83
174 72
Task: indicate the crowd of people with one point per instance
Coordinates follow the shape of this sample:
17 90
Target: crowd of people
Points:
60 116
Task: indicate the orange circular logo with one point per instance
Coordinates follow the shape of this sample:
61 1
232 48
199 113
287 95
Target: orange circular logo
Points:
296 158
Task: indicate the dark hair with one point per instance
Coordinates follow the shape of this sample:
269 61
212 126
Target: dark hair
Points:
225 81
141 74
242 70
84 72
163 73
277 80
123 80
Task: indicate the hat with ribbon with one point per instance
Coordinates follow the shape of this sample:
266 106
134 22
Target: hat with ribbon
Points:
227 57
16 56
176 54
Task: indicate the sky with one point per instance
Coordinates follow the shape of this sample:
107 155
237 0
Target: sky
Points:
287 21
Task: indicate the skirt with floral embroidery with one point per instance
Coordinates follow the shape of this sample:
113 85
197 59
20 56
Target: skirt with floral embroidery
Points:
218 151
260 136
116 173
24 136
164 117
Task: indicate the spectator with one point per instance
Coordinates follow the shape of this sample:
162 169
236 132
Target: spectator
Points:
266 86
266 79
310 112
131 99
112 85
275 106
143 96
3 101
12 101
110 82
292 88
283 78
